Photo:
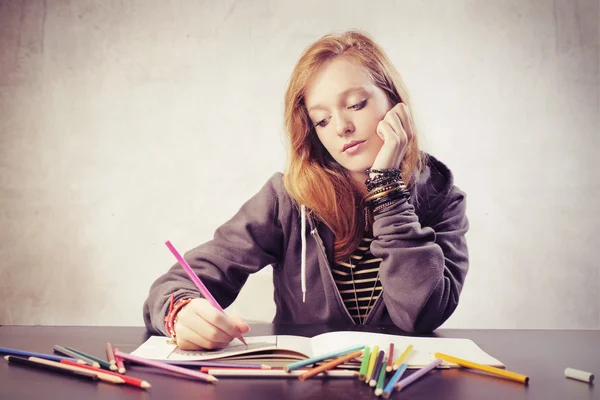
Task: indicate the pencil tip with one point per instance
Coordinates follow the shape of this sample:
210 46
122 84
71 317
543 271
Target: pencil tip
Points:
6 358
146 385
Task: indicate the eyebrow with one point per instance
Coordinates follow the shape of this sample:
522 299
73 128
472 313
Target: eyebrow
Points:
342 94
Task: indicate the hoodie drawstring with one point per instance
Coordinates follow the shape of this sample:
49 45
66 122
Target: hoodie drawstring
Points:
303 262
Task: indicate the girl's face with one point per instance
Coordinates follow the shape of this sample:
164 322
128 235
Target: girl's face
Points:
345 107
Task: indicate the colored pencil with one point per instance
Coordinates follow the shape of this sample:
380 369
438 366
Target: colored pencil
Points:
377 368
416 375
121 367
364 364
166 367
74 354
372 361
390 364
380 381
27 354
103 363
35 364
329 365
485 368
128 379
278 373
402 356
103 376
216 364
203 289
312 360
387 391
110 356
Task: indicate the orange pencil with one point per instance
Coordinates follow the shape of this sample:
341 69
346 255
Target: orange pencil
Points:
329 365
110 356
128 379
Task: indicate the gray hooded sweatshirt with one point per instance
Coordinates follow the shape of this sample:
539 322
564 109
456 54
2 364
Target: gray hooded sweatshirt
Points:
422 244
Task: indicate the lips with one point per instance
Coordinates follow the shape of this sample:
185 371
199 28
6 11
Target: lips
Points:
351 144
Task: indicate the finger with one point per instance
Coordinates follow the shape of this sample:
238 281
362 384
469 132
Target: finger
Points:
202 327
188 339
207 322
240 324
393 118
386 132
217 318
407 122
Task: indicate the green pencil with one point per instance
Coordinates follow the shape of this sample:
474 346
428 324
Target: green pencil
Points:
362 374
74 354
380 381
103 363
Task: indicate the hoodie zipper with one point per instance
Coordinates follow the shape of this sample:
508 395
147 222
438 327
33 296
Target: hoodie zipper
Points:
374 308
321 247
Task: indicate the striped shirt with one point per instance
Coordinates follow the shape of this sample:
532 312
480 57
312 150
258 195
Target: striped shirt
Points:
357 279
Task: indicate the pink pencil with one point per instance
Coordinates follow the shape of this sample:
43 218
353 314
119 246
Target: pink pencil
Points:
198 283
166 367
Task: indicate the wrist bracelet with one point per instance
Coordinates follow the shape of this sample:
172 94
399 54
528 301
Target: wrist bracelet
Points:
171 316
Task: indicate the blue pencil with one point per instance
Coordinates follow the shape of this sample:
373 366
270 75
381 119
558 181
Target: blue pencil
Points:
387 392
312 360
27 354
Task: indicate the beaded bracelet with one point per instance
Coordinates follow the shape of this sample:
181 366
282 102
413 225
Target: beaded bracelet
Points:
171 317
384 177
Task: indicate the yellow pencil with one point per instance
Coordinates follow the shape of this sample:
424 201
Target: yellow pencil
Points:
402 357
485 368
372 363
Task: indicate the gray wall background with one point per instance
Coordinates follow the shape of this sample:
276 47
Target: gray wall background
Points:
127 123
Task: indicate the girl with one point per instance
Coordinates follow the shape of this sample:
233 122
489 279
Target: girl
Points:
362 227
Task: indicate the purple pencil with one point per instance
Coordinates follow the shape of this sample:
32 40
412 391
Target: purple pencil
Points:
416 375
167 367
203 289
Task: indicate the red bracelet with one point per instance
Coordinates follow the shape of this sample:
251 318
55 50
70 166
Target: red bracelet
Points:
172 315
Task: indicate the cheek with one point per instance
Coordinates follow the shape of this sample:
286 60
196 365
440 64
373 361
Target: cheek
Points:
368 124
325 139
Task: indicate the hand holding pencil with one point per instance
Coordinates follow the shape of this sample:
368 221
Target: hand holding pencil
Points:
201 326
202 323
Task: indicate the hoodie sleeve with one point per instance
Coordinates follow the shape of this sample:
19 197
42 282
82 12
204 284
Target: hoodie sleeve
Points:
423 268
249 241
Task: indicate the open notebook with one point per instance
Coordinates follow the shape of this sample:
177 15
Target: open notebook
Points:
282 349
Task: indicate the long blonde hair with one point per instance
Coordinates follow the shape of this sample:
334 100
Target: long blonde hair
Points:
312 177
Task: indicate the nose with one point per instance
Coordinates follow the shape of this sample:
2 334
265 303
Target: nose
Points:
343 125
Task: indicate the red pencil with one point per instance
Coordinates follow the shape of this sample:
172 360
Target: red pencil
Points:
119 361
390 363
128 379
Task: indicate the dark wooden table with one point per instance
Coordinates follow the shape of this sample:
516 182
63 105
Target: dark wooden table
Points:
541 354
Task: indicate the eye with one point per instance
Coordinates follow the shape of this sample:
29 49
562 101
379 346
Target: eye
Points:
321 123
358 106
